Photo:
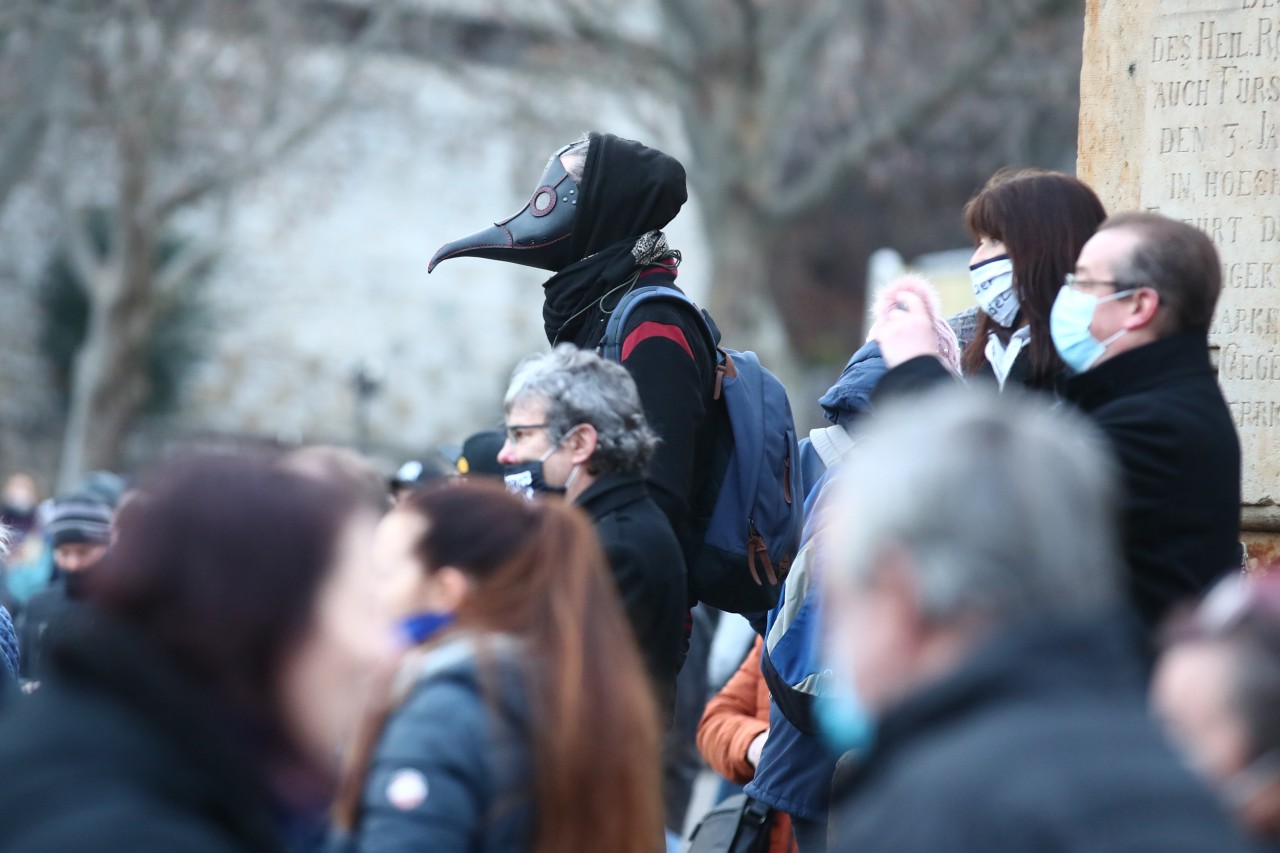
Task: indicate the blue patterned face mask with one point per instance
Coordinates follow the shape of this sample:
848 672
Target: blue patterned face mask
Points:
1069 327
992 282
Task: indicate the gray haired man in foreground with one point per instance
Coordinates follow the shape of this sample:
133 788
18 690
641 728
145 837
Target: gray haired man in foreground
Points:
981 674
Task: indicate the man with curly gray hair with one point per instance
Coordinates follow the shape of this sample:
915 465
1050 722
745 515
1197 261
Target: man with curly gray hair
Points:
575 426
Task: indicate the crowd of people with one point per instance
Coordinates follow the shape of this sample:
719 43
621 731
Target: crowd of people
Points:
1016 619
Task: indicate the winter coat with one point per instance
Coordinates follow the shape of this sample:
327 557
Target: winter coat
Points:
452 770
119 751
1171 430
665 349
48 615
1040 741
735 717
648 567
1164 416
9 654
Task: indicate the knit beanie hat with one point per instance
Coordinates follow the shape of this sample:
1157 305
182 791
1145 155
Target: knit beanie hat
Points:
79 518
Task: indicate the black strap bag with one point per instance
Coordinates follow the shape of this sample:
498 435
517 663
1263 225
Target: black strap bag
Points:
737 825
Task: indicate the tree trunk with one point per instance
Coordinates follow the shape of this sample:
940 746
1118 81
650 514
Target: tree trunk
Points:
109 381
740 300
108 387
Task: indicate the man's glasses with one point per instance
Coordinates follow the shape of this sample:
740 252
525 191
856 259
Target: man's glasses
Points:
515 432
1076 283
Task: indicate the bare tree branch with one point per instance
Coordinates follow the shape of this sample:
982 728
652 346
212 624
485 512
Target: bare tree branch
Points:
237 168
784 199
643 57
25 128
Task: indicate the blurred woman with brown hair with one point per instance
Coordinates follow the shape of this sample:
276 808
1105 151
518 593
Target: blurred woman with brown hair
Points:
522 718
224 660
1029 227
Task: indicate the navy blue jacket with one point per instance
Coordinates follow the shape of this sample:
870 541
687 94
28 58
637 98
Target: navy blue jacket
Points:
452 769
795 770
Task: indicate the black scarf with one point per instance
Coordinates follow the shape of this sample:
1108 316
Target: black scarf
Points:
627 191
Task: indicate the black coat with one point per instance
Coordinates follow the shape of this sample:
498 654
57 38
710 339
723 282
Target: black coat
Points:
48 615
1162 409
1165 419
1039 742
118 751
648 568
665 349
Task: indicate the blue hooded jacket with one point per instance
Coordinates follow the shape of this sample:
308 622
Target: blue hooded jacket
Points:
795 770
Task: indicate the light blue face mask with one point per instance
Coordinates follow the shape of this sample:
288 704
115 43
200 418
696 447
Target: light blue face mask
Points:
1069 327
843 720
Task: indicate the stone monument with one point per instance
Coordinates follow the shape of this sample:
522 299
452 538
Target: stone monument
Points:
1180 114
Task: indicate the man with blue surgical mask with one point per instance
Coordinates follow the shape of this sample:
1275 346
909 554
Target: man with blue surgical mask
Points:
1133 321
983 675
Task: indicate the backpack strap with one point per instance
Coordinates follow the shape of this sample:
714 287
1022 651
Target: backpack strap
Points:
610 346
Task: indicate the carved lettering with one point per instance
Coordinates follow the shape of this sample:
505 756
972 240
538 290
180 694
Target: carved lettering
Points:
1268 41
1235 363
1242 182
1221 229
1172 48
1220 44
1183 140
1255 413
1239 85
1182 93
1249 275
1262 322
1270 228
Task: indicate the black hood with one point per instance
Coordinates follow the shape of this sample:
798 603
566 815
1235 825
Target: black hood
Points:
628 189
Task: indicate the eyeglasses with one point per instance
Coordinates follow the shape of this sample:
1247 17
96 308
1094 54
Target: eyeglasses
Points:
515 432
1074 282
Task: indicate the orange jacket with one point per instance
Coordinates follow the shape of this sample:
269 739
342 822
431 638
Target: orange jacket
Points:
731 721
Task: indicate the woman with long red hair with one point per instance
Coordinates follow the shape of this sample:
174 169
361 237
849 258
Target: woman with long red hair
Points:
521 718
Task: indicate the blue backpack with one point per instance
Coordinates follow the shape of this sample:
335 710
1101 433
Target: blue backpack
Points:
754 513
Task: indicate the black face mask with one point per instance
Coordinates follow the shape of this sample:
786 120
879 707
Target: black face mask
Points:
525 479
537 236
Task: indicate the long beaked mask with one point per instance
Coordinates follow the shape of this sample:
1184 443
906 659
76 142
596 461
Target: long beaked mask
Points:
537 236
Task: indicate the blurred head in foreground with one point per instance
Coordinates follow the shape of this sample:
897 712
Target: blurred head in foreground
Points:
1217 691
962 514
255 581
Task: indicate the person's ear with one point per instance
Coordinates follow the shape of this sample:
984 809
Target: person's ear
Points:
582 443
1144 307
450 589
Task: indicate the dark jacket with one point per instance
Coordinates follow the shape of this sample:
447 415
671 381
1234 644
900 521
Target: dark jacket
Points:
665 349
1164 416
1041 741
118 751
452 770
1162 409
648 567
48 615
